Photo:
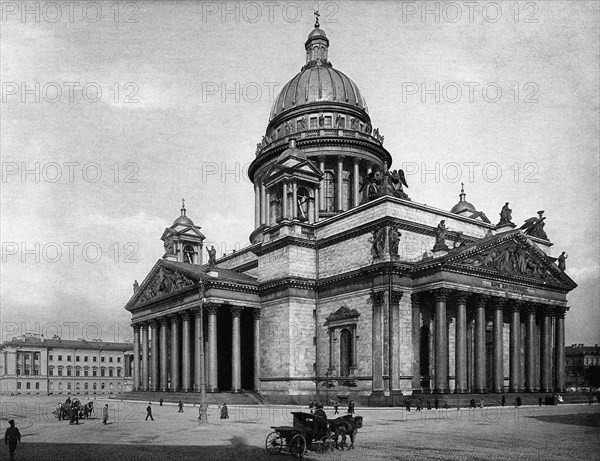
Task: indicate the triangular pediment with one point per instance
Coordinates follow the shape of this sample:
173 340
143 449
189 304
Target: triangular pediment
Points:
161 282
510 255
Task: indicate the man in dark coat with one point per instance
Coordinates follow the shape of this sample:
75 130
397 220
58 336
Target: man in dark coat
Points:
336 406
149 412
12 436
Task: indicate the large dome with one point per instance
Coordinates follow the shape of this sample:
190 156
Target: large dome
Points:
318 84
318 81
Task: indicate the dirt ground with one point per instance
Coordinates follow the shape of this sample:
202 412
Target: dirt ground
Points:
565 432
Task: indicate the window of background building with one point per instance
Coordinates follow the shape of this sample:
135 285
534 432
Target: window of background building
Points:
118 372
37 386
69 371
77 358
60 357
95 386
85 359
36 371
94 359
28 386
18 385
110 359
50 371
102 359
102 386
118 359
68 358
36 356
60 370
68 386
50 357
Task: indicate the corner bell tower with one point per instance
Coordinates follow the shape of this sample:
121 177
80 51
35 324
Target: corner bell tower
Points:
183 241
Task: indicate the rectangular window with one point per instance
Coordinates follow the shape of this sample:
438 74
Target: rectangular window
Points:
94 359
299 125
36 356
118 372
102 372
60 357
85 372
60 372
85 359
94 373
50 357
68 358
327 122
50 372
102 359
118 359
77 372
77 358
313 123
68 372
110 359
36 371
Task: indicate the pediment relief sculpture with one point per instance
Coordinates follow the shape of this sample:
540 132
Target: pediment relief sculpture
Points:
166 281
508 258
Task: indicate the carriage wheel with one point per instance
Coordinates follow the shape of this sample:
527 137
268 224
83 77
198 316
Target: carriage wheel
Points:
327 444
298 446
274 443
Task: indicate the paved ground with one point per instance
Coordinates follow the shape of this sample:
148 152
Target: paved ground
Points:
565 432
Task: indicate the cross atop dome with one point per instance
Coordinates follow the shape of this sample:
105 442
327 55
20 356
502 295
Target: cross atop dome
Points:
317 15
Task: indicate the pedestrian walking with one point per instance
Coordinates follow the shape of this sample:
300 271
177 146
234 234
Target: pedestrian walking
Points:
472 403
419 404
351 407
336 406
160 401
12 436
180 407
503 400
105 414
437 404
149 412
540 400
407 405
446 404
428 404
224 411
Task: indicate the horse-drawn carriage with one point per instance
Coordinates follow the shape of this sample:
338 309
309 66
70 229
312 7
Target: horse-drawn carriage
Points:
308 432
312 432
71 409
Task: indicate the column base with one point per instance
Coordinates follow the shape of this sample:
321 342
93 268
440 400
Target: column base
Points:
560 389
186 389
164 389
498 390
480 391
236 391
546 389
441 391
515 390
212 389
461 391
175 389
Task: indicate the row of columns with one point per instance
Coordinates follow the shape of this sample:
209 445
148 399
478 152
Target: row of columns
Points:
152 362
262 198
463 343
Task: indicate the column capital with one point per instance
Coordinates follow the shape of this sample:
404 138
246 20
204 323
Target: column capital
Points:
545 310
136 327
236 311
415 299
356 160
173 318
515 305
397 296
197 310
163 320
460 297
530 308
377 297
153 323
441 294
256 313
559 311
481 300
498 303
185 315
211 309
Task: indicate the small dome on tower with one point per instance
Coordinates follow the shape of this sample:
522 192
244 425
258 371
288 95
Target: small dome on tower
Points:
317 33
183 220
462 204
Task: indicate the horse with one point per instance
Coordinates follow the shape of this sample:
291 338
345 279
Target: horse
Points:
346 425
88 409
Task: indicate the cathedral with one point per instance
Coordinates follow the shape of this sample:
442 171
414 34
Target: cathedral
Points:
349 287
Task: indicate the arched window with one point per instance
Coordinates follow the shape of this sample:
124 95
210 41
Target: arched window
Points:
28 386
77 385
329 191
50 371
95 386
346 352
18 385
37 386
111 372
86 386
60 386
119 371
188 255
68 386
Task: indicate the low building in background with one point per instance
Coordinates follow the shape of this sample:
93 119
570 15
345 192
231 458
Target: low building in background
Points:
31 364
580 363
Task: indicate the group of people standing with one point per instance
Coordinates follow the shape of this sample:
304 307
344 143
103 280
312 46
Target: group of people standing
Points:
313 406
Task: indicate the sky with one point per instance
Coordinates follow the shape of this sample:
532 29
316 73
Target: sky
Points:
112 114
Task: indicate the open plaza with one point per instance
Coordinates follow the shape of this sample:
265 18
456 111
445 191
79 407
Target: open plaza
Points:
566 431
